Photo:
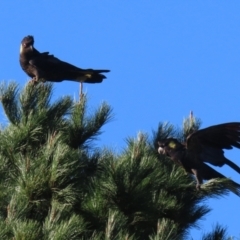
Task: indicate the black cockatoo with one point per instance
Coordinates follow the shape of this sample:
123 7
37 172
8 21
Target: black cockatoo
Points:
46 67
205 145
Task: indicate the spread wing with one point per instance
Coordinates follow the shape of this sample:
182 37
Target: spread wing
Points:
209 143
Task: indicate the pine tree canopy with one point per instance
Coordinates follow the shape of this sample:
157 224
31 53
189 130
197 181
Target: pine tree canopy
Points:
55 185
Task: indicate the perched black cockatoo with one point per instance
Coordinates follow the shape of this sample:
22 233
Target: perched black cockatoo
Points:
205 145
46 67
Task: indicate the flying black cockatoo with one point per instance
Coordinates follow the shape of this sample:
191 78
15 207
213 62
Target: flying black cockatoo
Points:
46 67
205 145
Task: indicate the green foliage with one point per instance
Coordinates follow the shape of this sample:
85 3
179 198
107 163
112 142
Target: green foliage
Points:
55 185
218 233
190 125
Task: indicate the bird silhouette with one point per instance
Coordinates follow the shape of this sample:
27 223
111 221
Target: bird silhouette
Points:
205 145
46 67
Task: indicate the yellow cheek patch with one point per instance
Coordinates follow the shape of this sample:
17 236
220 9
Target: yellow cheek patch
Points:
172 144
88 75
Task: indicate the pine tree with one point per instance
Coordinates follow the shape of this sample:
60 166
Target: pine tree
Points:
55 185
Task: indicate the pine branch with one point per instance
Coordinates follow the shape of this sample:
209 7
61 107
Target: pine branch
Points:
218 233
167 230
218 187
83 129
29 229
9 94
190 125
60 225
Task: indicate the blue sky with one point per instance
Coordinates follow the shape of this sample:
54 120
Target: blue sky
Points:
166 58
